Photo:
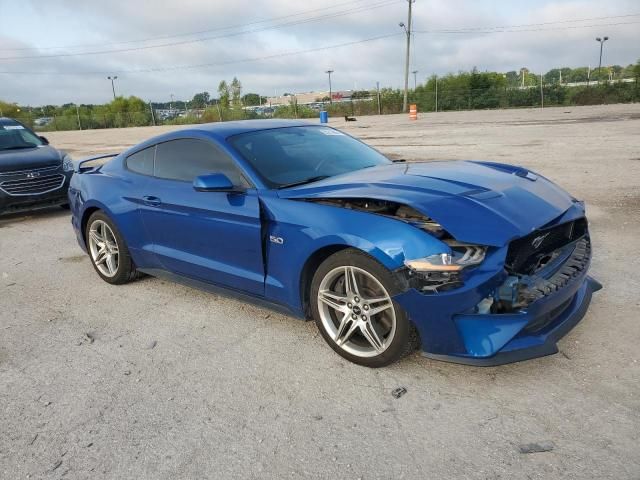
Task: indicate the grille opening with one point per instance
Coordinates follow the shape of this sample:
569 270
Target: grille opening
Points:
31 186
528 254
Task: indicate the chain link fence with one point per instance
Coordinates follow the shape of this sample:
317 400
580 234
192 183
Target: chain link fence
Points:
428 97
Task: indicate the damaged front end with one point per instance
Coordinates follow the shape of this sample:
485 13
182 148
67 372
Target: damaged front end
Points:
432 274
497 303
540 264
544 291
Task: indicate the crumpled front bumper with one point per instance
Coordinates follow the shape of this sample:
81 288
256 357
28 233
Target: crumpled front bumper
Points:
450 333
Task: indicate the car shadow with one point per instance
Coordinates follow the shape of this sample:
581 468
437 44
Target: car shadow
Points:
8 219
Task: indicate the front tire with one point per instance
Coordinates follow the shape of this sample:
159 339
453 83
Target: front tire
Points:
352 304
108 251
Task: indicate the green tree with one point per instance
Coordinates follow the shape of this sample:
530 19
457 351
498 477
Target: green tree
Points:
360 94
252 99
236 91
200 100
223 94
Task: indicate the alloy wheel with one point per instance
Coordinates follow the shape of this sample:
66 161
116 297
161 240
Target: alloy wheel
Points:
103 247
356 311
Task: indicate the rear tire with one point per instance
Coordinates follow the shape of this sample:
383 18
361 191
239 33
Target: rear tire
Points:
352 304
108 251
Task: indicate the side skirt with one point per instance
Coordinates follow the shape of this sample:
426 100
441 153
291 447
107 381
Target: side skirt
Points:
227 292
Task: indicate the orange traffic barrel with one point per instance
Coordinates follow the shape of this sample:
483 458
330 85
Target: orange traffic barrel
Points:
413 112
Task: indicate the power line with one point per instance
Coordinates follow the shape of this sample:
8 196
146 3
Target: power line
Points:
534 29
202 39
206 65
518 28
186 34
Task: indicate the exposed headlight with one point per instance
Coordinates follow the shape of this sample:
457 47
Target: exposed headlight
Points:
442 262
67 164
463 256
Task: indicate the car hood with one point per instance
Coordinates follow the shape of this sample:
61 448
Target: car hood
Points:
37 157
477 202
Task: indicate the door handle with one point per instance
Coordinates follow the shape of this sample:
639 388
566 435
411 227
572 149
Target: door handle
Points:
151 200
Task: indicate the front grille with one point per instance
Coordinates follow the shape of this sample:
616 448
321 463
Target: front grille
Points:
526 254
41 171
574 266
33 186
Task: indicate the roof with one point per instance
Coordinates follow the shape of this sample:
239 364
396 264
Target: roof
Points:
219 130
227 129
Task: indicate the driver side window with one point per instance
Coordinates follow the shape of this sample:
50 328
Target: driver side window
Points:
185 159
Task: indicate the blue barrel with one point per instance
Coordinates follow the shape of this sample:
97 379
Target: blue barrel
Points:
324 116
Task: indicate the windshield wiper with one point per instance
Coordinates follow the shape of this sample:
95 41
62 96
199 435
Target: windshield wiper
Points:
304 182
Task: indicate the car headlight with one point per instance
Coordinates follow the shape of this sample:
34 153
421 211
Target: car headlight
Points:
462 256
67 164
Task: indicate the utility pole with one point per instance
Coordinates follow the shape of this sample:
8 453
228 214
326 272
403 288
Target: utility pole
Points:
329 72
153 116
113 88
415 79
407 30
171 103
601 41
378 95
541 93
436 93
78 116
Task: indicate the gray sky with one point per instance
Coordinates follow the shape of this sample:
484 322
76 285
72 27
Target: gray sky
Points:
237 30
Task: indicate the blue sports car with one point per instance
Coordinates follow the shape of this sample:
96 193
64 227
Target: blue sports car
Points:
472 262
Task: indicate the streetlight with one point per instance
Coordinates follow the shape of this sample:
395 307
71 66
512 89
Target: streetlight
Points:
112 85
329 72
601 41
415 79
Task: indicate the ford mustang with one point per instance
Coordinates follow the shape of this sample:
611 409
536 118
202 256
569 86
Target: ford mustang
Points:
472 262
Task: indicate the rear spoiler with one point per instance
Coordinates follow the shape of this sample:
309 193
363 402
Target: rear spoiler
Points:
78 166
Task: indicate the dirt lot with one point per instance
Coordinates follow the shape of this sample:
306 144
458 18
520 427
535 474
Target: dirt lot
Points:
154 380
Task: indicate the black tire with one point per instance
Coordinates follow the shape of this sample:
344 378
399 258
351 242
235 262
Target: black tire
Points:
126 270
405 338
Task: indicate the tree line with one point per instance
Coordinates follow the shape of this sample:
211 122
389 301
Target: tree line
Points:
455 91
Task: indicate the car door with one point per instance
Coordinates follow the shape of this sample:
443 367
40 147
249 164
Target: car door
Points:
210 236
138 172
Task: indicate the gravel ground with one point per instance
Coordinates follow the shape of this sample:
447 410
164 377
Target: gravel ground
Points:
155 380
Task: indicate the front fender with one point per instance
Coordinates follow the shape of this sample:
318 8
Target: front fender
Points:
295 230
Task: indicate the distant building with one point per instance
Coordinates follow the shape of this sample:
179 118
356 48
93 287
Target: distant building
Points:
310 98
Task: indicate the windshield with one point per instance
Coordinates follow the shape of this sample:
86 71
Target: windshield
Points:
296 155
13 137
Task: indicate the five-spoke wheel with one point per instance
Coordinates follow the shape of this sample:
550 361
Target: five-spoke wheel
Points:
357 311
354 310
108 250
103 247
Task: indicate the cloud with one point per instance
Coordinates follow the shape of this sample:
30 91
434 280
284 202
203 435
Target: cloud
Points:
121 24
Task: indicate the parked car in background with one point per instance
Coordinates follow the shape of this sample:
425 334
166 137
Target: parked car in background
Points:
42 121
33 174
474 262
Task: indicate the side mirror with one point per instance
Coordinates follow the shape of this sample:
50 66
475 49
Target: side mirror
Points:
215 182
44 140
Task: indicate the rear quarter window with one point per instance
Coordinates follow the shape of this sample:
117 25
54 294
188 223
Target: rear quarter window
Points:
142 161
